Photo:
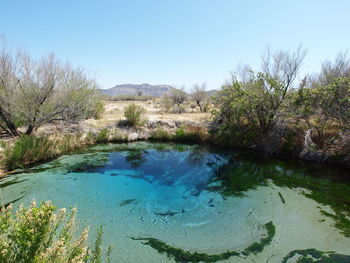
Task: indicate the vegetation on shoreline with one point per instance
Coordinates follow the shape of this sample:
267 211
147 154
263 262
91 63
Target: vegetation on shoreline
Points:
265 110
42 234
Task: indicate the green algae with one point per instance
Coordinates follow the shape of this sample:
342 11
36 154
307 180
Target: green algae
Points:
282 198
184 256
259 246
11 202
136 157
127 202
313 255
242 173
8 183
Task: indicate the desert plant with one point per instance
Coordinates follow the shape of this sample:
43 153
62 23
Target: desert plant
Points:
166 103
36 92
190 134
134 115
160 134
129 97
199 96
27 150
42 234
177 98
102 136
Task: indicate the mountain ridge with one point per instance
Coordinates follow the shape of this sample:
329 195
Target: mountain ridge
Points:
133 89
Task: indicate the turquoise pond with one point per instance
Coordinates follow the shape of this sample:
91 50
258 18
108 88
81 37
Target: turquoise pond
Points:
198 199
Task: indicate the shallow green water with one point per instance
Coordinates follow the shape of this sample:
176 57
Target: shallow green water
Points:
181 203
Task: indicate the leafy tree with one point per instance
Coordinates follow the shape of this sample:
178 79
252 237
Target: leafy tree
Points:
255 100
33 93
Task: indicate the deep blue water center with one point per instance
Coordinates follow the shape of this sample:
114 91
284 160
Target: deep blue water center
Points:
198 199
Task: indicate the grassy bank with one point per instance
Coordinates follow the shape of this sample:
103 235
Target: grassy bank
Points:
28 150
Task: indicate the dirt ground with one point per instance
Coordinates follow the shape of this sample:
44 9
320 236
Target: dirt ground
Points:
114 111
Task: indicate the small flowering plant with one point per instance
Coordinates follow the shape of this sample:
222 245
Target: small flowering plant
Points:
43 234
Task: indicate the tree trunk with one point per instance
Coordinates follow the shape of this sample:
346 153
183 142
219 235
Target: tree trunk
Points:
11 127
200 106
30 129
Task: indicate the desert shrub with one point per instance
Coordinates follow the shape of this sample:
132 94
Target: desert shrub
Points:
199 95
39 234
177 97
134 115
102 136
160 134
29 149
69 142
36 92
166 103
118 137
206 107
190 134
129 98
96 110
178 109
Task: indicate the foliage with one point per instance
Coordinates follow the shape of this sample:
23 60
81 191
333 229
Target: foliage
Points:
254 103
39 234
160 134
36 92
102 136
174 101
124 97
190 134
134 115
264 110
319 105
28 149
166 103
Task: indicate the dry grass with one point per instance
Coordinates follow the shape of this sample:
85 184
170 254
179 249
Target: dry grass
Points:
114 111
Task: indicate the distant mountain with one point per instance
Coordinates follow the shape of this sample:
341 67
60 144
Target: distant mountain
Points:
132 89
212 92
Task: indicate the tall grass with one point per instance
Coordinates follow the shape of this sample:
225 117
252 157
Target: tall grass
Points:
29 149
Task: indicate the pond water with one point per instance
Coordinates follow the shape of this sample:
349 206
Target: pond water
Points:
162 202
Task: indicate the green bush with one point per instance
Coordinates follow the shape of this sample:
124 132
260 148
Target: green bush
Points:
160 135
42 235
29 149
130 97
102 136
190 134
134 115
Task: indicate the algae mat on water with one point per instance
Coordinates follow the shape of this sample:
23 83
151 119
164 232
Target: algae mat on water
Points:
190 203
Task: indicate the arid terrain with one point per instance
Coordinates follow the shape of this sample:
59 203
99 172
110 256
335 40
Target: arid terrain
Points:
114 112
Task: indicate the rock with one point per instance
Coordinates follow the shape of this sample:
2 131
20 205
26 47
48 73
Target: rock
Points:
133 136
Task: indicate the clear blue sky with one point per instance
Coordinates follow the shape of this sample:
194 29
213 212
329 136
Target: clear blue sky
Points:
179 42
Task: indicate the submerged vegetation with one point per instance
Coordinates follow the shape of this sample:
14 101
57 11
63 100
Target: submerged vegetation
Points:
241 174
184 256
42 234
315 256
